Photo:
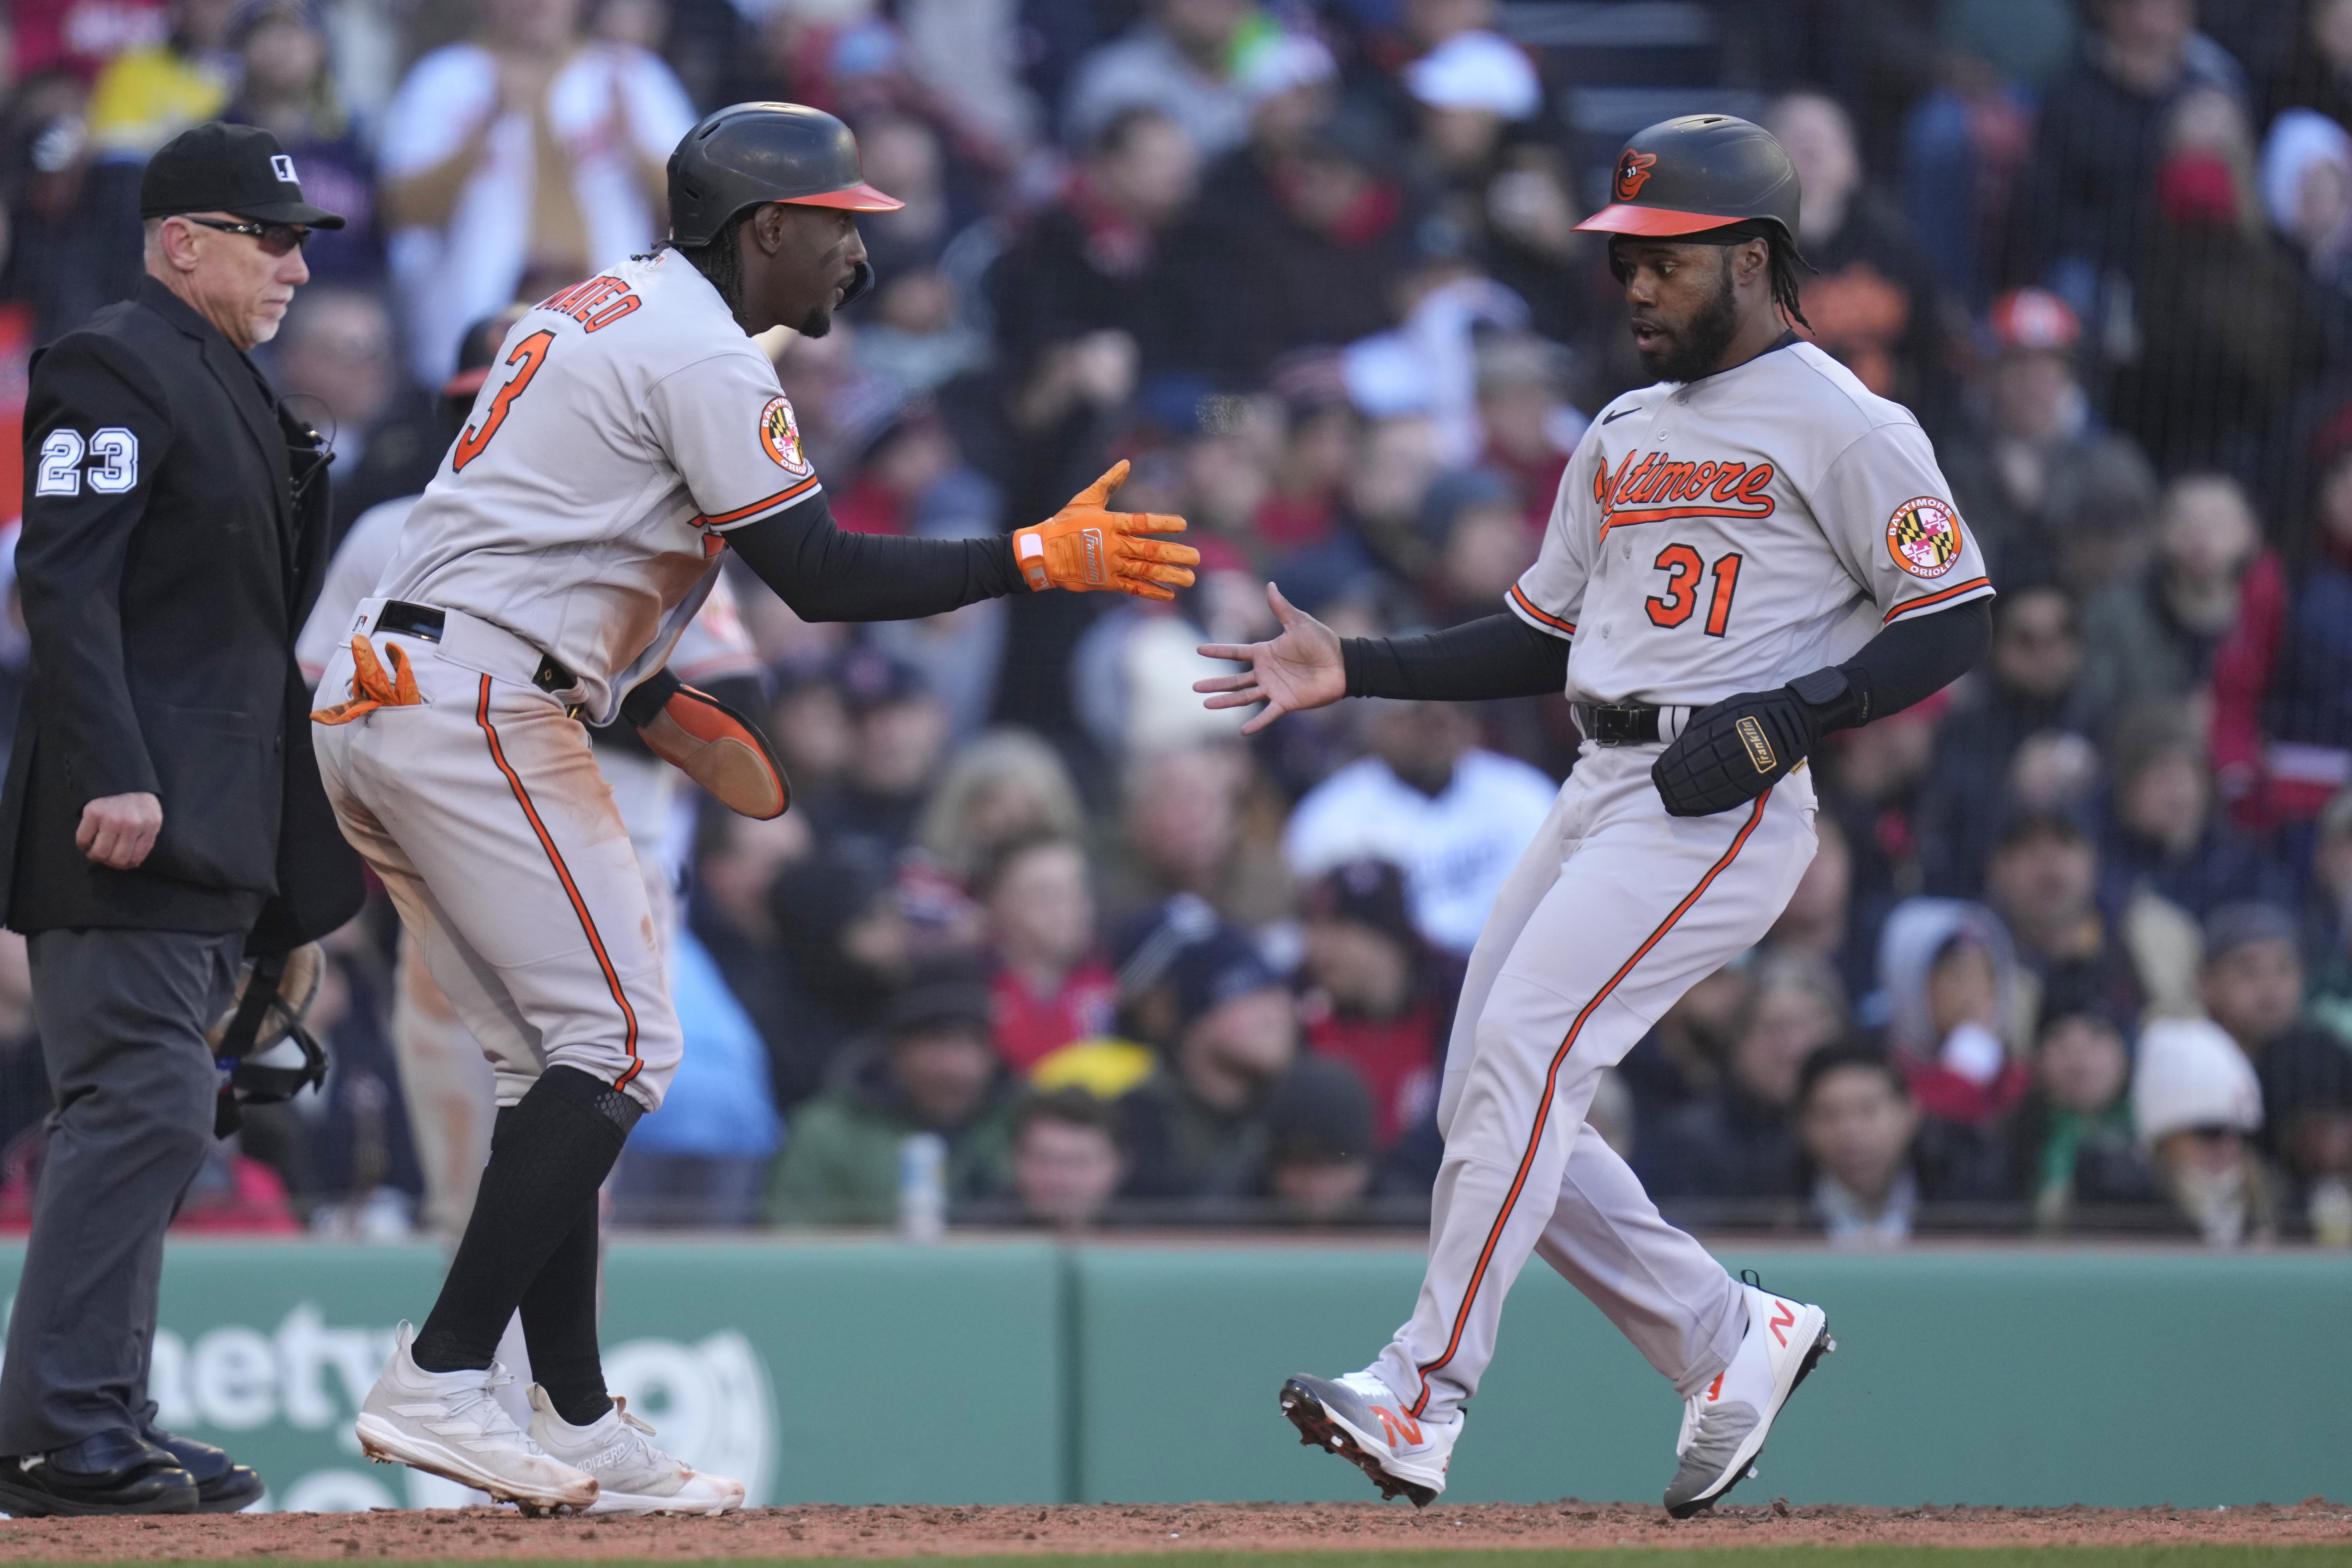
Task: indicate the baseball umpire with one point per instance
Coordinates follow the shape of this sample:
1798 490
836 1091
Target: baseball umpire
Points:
163 819
630 434
1747 555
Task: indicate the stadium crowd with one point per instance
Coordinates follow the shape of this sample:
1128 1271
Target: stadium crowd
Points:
1047 941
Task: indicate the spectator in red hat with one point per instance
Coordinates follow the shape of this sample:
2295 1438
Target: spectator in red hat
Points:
1376 995
2032 464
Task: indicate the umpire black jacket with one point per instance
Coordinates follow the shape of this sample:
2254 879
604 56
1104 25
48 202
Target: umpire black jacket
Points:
175 533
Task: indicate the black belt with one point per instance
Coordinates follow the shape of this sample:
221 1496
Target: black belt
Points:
400 618
1628 724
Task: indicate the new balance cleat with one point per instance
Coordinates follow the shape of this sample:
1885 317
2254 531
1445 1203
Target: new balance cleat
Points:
1724 1424
631 1475
1357 1418
450 1424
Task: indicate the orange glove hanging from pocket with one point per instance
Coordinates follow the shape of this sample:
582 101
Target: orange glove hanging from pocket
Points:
370 688
1085 546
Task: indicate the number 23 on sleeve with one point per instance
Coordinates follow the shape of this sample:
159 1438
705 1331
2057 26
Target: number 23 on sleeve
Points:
113 455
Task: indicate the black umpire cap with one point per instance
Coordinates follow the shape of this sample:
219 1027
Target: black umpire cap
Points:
216 167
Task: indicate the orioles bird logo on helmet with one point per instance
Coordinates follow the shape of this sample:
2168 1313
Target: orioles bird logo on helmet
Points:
1634 173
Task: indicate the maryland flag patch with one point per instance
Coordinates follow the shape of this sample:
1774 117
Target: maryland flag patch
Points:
781 434
1924 536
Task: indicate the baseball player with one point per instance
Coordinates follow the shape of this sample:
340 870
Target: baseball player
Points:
1742 558
443 1077
632 433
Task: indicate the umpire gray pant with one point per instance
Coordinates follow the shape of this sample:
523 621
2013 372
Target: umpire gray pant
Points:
121 1015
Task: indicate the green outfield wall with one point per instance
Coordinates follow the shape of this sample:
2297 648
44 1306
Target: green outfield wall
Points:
1020 1371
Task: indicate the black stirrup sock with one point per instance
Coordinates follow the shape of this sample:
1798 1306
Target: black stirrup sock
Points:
559 1325
549 1154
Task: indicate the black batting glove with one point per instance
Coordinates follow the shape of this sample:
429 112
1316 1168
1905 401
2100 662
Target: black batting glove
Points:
1733 751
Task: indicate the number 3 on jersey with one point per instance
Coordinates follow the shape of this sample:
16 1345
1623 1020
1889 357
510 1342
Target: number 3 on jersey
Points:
1682 565
530 354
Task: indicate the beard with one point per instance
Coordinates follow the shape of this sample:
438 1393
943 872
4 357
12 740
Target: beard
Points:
817 323
1697 346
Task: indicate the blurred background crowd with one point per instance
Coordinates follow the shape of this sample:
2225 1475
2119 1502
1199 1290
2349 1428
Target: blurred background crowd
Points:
1044 942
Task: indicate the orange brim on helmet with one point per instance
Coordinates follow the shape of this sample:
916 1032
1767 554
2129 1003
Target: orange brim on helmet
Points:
748 154
1660 223
856 199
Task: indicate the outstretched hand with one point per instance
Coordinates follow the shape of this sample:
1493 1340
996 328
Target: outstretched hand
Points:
1300 668
1086 546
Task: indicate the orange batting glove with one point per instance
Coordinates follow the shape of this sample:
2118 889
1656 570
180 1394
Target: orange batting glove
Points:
1083 547
370 688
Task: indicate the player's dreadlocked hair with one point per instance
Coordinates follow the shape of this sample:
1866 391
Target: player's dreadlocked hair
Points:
721 261
1783 276
1780 271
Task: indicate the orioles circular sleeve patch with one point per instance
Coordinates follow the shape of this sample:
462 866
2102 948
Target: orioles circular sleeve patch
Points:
1924 536
779 433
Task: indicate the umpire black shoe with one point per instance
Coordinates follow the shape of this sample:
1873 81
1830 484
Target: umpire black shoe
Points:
113 1472
223 1486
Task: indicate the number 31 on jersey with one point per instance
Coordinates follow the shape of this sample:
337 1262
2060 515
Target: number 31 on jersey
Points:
1682 565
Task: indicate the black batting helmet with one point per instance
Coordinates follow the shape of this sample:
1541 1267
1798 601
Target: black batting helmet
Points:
749 153
1696 172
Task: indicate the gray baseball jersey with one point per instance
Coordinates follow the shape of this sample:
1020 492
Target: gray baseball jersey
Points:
1737 531
628 422
1710 537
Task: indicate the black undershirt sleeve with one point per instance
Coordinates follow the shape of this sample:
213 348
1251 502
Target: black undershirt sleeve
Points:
1502 656
825 574
1910 660
1496 656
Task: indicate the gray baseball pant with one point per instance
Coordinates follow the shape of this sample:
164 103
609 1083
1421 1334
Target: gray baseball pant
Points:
1614 910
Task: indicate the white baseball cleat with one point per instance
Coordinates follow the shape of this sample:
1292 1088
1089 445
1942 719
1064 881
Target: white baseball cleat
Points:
1725 1423
450 1424
631 1475
1357 1418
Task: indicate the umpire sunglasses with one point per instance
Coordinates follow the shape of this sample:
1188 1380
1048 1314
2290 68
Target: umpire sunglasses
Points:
274 238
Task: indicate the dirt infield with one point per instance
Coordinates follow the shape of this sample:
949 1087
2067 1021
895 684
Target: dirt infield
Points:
893 1532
